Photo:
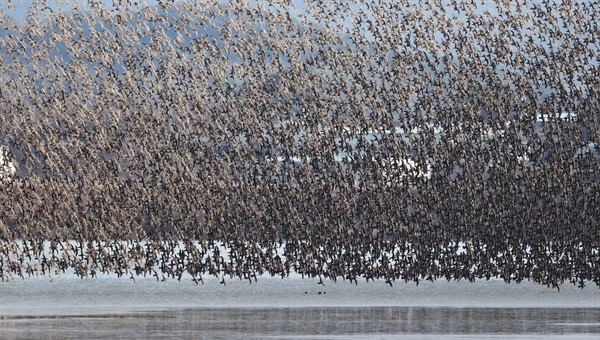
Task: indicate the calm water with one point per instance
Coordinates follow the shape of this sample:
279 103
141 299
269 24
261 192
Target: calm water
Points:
108 307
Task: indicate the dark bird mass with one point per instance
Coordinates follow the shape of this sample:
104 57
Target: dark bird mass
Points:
339 140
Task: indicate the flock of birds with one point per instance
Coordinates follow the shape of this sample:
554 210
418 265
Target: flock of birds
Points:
352 140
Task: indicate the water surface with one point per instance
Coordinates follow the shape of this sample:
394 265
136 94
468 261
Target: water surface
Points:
109 307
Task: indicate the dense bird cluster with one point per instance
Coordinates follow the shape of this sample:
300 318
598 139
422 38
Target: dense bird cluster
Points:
396 140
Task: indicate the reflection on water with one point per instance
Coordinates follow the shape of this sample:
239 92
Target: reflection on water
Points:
293 308
312 322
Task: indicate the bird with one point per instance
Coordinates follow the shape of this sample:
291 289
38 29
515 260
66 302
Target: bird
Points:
402 141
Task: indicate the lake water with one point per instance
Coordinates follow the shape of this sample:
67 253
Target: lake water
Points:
109 307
